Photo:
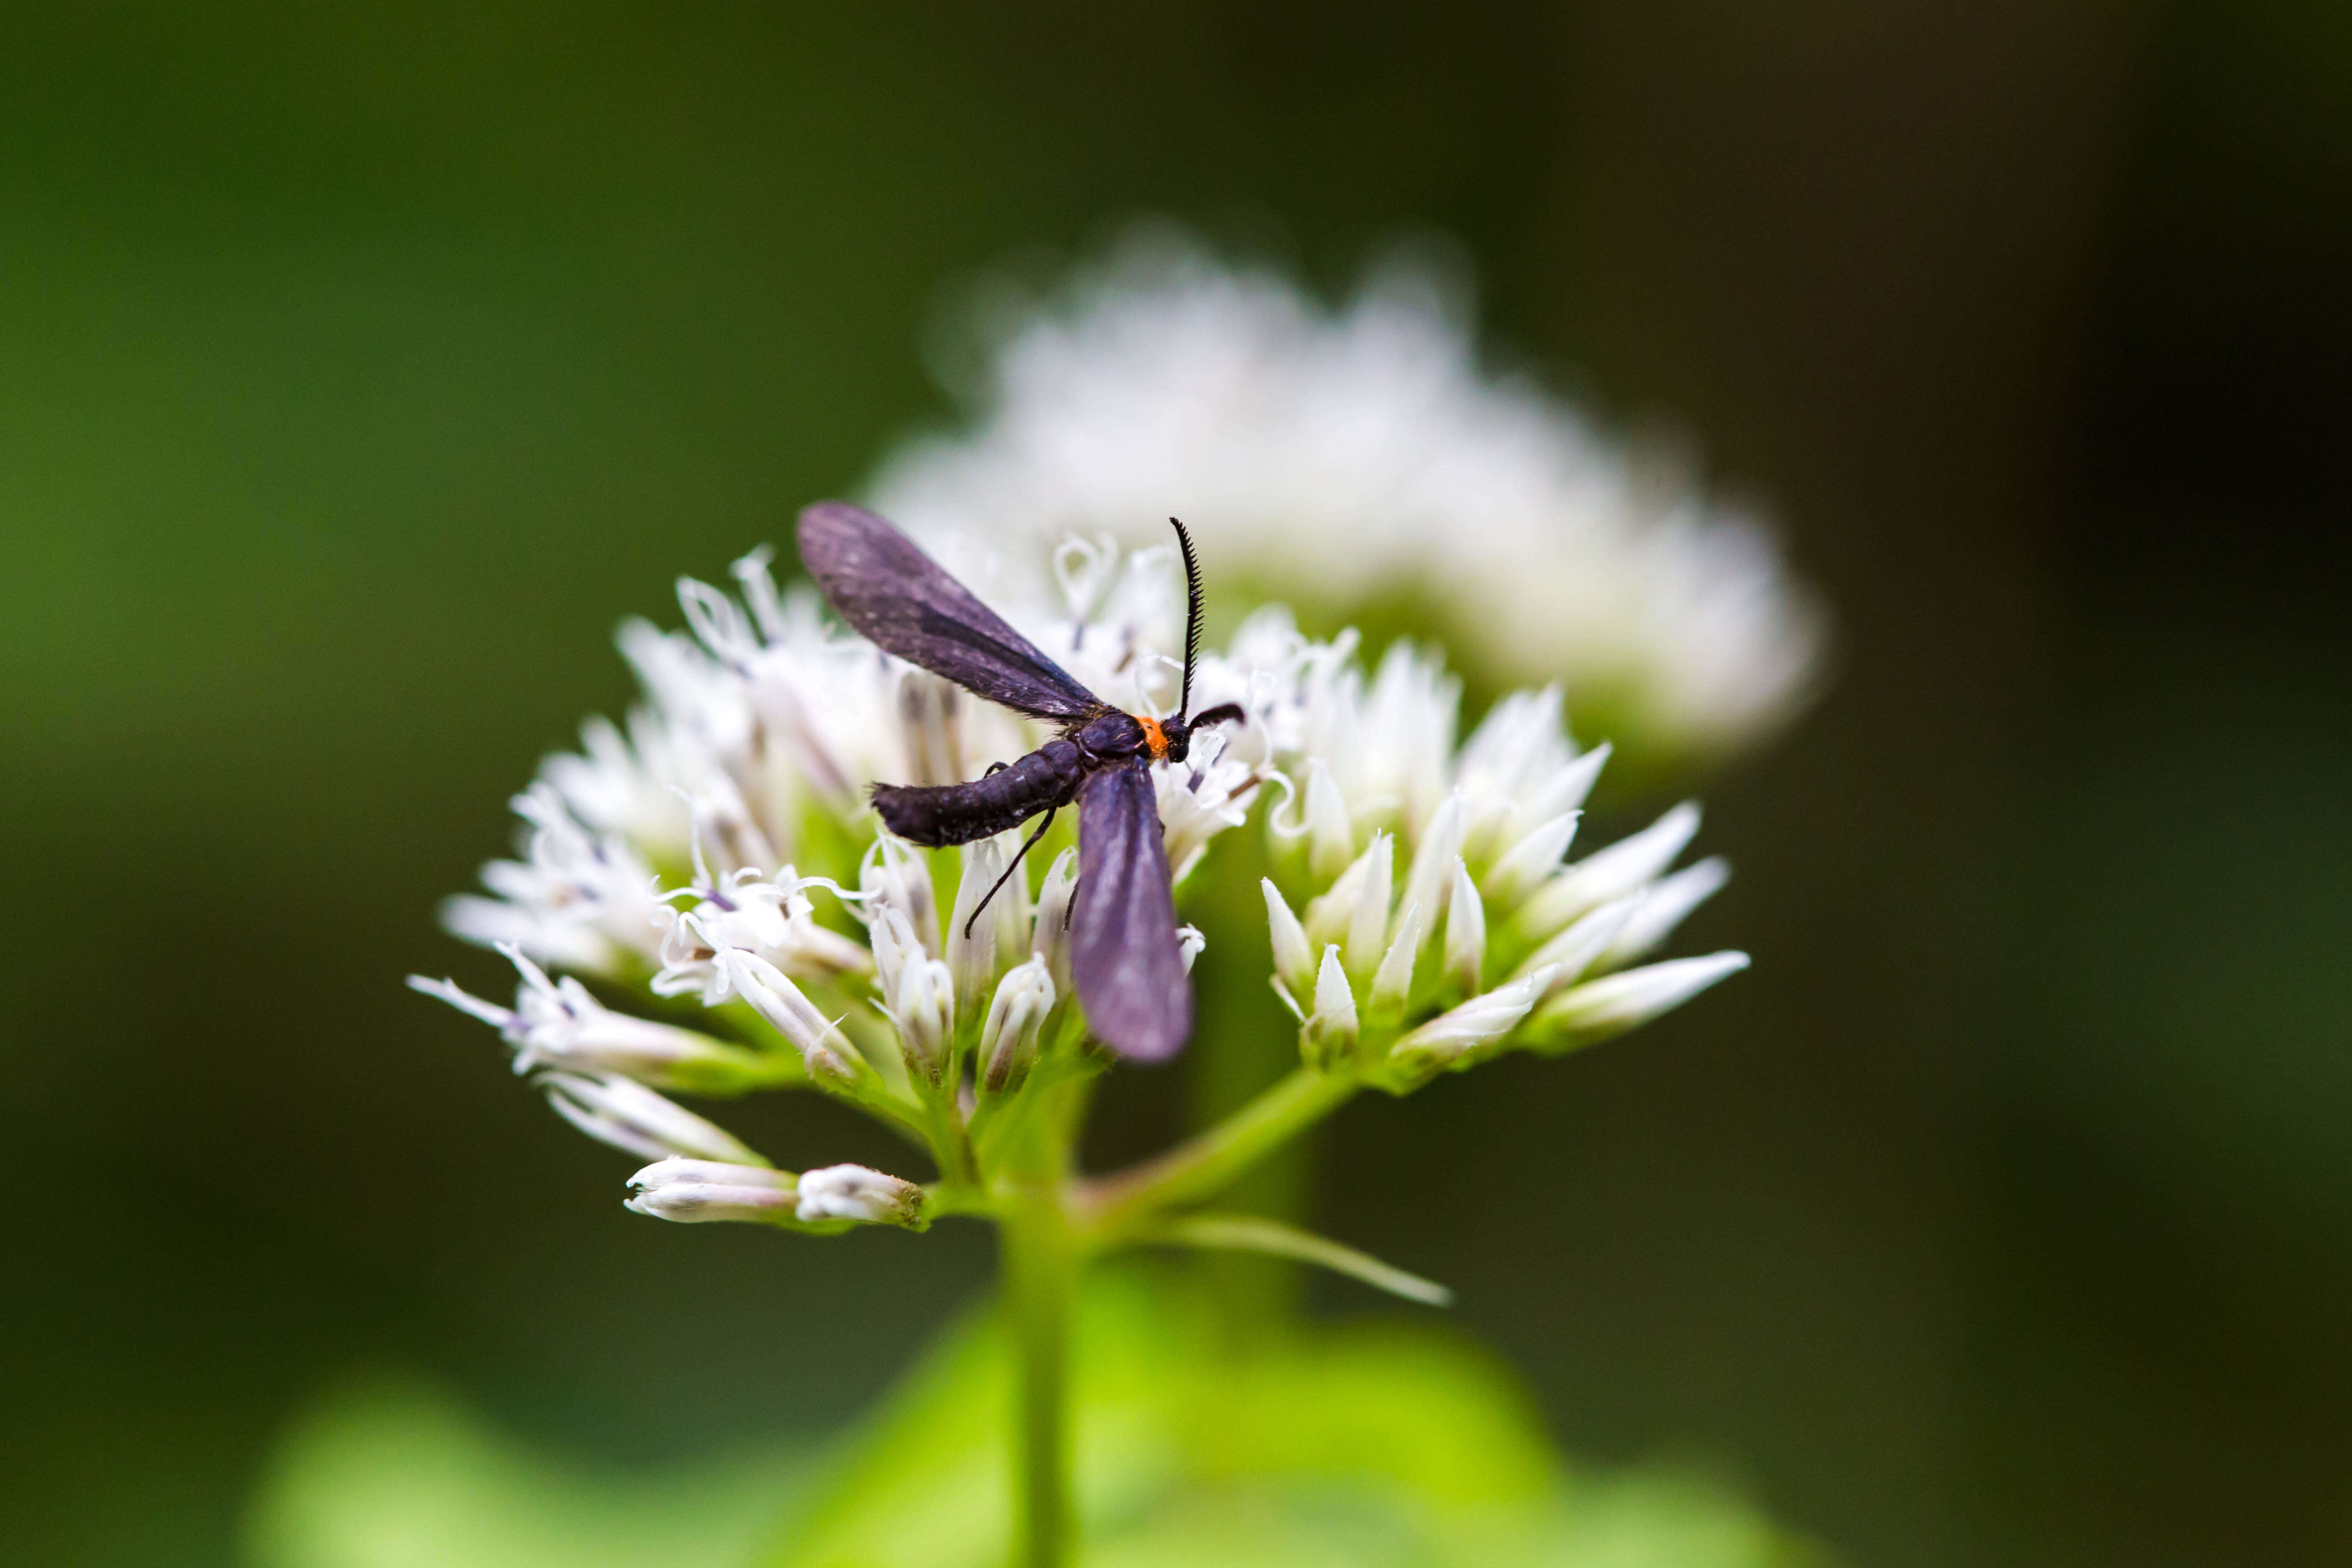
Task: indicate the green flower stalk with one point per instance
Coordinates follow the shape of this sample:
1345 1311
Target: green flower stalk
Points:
1422 918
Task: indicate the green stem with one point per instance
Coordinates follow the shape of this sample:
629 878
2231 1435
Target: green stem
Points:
950 1143
1201 1166
1041 1273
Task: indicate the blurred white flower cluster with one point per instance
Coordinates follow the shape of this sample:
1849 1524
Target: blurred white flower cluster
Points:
716 857
1345 457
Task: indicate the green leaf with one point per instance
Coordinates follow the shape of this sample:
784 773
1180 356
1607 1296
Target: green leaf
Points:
397 1474
1373 1445
1364 1444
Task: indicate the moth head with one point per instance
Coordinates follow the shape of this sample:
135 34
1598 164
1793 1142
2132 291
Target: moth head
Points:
1179 730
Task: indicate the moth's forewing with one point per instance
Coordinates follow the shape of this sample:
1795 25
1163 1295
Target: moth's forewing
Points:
904 601
1123 955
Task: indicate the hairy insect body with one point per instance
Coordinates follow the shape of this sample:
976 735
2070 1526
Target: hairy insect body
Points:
1111 737
940 814
1048 778
1127 961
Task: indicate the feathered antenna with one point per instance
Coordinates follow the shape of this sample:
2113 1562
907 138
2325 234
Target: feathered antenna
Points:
1194 602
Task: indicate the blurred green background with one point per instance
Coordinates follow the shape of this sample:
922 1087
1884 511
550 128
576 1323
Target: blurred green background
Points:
359 369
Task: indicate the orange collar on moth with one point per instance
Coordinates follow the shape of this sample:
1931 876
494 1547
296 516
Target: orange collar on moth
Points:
1154 737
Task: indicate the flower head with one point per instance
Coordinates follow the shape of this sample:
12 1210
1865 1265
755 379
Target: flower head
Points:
1404 842
1362 454
715 856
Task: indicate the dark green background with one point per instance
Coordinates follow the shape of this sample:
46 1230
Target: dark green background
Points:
359 369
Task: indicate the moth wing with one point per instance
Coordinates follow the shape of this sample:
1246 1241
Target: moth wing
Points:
904 601
1123 953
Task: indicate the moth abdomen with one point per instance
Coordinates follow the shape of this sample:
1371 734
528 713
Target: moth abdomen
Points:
942 815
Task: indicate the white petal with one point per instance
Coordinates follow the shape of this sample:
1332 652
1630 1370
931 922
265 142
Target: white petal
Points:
1333 997
1331 837
1619 1002
1368 922
1294 960
1575 951
1662 906
1445 1038
1434 857
1329 917
1008 1038
1393 983
489 1013
631 1116
1332 1029
1567 788
1465 931
973 954
1609 873
1049 935
1526 864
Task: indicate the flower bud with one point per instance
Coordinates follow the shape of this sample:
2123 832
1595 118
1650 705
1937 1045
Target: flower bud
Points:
1330 1031
1466 932
1615 1003
1661 908
1565 790
1393 985
1294 960
1433 862
690 1191
1331 836
1607 874
630 1117
1525 865
771 992
1368 922
925 1013
1448 1040
1191 942
1050 934
1572 953
860 1194
1329 917
895 947
893 876
994 937
1008 1040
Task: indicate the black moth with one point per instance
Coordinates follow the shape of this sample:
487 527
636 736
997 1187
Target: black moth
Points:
1123 951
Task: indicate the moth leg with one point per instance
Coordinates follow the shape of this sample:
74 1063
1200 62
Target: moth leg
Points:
994 768
1017 857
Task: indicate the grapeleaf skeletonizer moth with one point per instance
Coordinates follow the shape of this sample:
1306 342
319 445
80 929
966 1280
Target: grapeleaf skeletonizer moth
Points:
1123 951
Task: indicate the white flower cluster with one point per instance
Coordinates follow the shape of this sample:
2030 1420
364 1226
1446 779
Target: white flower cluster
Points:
1351 456
719 851
762 730
1441 922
